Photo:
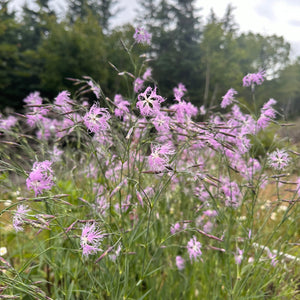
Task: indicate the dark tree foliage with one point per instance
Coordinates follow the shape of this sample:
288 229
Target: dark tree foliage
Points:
176 33
103 10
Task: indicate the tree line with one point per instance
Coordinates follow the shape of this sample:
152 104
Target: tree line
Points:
40 50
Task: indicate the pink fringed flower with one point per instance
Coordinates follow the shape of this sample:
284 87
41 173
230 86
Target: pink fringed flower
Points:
90 239
138 85
41 177
158 160
228 98
149 102
122 106
194 249
254 78
19 217
180 263
279 159
142 36
96 119
179 91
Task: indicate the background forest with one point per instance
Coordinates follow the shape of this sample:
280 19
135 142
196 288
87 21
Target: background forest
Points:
40 49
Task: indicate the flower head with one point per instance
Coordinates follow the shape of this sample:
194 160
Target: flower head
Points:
96 119
138 84
254 78
90 239
238 256
142 36
194 249
228 98
20 214
149 102
180 263
41 177
279 159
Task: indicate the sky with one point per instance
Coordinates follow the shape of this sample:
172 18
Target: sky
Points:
267 17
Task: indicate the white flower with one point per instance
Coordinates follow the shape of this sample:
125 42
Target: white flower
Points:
3 251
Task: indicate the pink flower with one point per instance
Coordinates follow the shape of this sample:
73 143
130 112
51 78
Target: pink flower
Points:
254 78
33 99
175 228
179 91
96 119
149 102
41 177
95 89
19 217
138 85
90 239
142 36
7 123
228 98
194 249
162 122
147 74
63 102
121 104
180 263
279 159
158 160
238 256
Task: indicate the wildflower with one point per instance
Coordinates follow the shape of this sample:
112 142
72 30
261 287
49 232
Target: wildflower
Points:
95 89
162 122
33 99
254 78
158 160
228 98
147 74
279 159
41 177
175 228
121 104
96 119
273 257
63 102
90 239
180 263
149 102
194 249
138 84
7 123
179 91
267 113
3 251
19 217
238 256
142 36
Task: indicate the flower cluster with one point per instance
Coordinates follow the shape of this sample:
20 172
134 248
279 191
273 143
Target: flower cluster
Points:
41 177
254 78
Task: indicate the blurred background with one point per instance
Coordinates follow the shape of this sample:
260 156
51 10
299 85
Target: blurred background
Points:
207 45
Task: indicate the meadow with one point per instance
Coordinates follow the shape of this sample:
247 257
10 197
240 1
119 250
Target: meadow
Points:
143 197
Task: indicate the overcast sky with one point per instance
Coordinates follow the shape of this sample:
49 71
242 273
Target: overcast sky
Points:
280 17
